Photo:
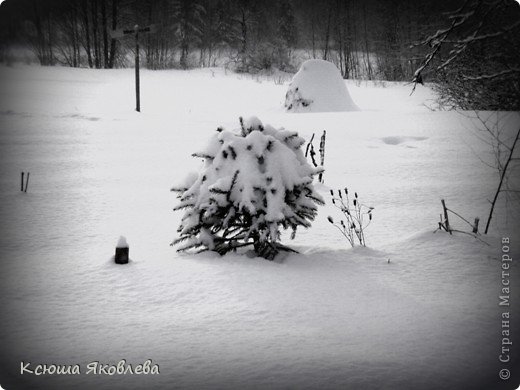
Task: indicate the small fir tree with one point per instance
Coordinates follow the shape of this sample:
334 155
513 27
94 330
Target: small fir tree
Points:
253 182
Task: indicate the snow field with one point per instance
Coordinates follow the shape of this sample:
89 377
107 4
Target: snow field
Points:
331 317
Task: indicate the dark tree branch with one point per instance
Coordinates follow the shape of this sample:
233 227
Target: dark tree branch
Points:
504 171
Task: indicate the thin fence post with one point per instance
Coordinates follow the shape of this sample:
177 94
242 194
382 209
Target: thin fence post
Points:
137 81
27 181
21 186
446 220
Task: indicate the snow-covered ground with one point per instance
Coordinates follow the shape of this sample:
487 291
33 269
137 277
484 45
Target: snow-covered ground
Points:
415 310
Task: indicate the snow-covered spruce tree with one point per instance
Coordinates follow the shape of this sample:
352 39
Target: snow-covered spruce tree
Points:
253 182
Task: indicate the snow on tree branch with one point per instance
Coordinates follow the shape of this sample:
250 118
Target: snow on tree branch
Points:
476 58
506 72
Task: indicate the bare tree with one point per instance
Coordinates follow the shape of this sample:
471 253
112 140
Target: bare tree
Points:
366 51
86 31
160 47
476 61
188 14
68 34
113 41
497 130
39 31
476 57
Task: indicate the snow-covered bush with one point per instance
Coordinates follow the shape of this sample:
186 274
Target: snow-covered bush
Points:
253 182
318 87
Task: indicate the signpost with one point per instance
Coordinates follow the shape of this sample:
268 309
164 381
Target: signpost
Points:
121 33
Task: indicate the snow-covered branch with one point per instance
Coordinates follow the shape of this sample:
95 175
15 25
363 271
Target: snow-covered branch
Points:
470 59
506 72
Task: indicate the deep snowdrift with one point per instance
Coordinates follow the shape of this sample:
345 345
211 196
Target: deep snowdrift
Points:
318 87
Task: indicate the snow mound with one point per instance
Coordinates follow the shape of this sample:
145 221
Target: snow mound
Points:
121 243
318 87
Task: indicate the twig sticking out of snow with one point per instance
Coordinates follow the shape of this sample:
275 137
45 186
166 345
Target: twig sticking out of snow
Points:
357 217
26 182
309 145
322 154
444 224
310 149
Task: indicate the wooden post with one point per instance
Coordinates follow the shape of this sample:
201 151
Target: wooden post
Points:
121 256
21 188
122 250
137 87
120 33
446 220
